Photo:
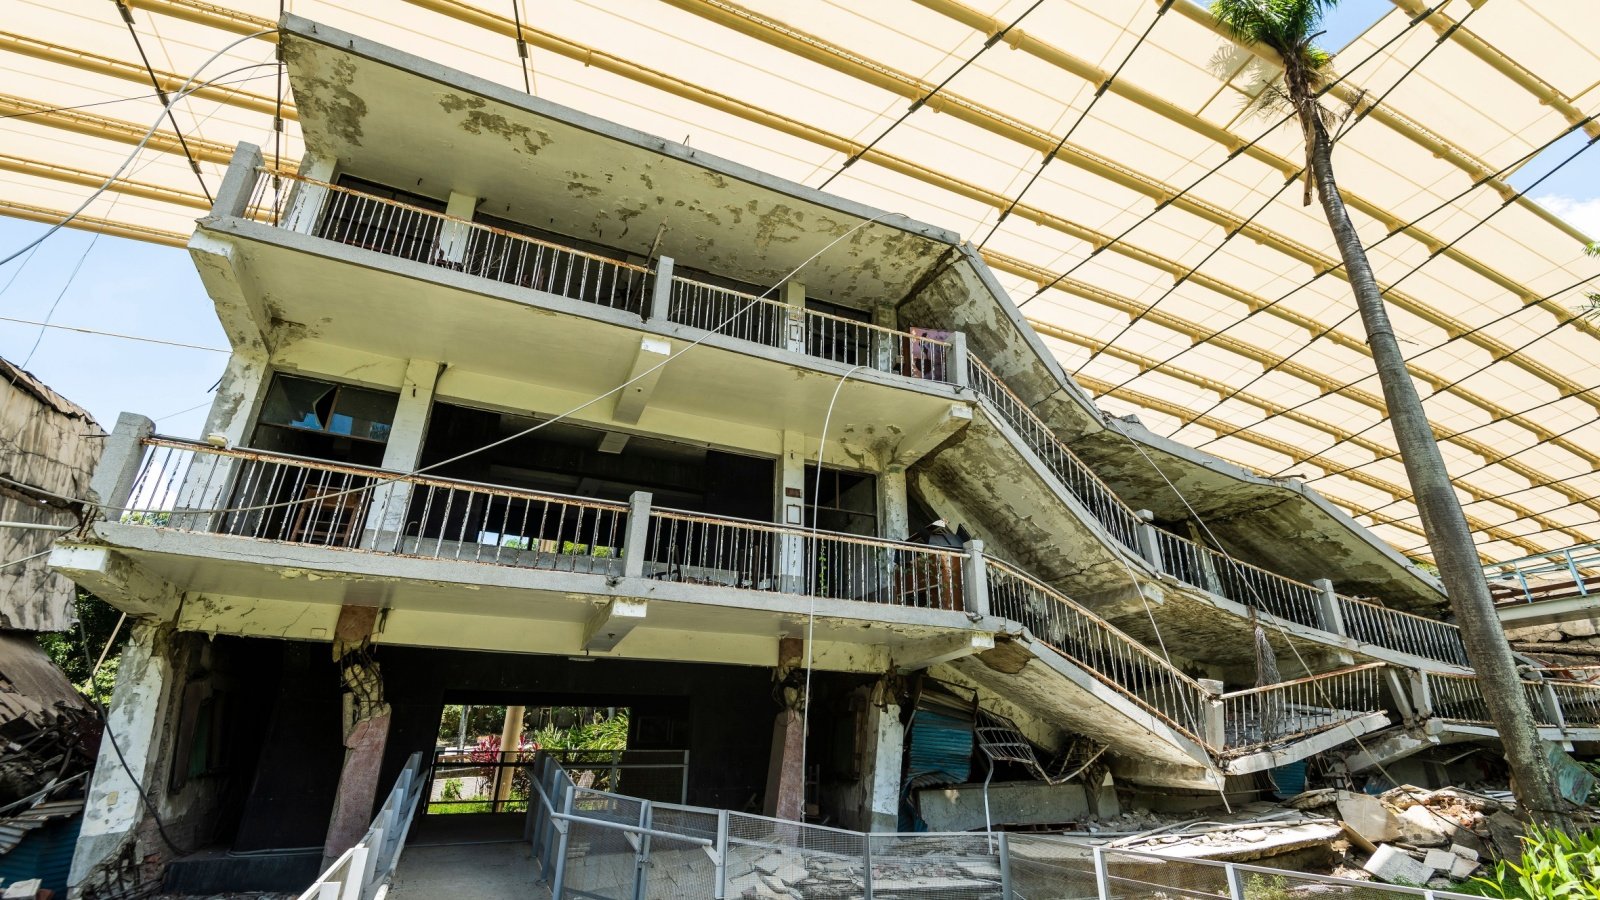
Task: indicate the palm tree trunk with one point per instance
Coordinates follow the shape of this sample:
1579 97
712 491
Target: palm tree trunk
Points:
1442 519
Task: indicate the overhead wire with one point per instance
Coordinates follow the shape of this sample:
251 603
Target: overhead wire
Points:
1392 233
155 82
55 109
1232 155
522 47
1435 254
1099 92
113 334
921 101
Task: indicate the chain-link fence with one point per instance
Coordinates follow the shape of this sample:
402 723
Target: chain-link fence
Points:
590 843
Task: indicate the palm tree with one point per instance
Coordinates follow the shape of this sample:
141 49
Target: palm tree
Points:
1289 28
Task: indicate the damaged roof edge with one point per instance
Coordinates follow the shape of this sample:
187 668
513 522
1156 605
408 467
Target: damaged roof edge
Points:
293 26
1182 453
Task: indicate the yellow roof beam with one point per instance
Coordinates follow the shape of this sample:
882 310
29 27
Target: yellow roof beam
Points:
116 68
1515 72
1402 126
91 223
210 15
1001 262
1299 455
112 129
82 178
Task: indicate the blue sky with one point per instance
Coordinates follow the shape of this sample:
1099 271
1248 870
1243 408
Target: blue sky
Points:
151 291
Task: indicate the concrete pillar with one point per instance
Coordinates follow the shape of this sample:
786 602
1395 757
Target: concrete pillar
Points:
456 237
894 516
791 512
886 345
1149 542
956 364
114 477
307 200
366 730
660 307
883 765
975 581
143 703
786 782
510 743
209 482
1215 726
386 517
794 297
239 182
1330 615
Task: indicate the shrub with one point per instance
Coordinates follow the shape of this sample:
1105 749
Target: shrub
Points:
1554 866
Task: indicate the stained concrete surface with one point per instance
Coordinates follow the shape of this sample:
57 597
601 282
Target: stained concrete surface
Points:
482 871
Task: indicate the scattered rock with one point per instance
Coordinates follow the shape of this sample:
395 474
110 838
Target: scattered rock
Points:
1368 817
1423 826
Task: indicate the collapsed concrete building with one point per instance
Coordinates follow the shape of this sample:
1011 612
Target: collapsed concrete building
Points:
525 407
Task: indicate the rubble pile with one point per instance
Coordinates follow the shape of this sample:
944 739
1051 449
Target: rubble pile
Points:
790 874
1421 837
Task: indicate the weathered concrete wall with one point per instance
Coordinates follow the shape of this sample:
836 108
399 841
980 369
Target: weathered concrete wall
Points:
137 781
48 445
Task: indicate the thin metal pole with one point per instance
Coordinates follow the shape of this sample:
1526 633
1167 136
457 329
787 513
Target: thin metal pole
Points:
1102 879
557 883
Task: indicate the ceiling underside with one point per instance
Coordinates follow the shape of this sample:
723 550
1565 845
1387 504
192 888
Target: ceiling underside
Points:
1241 341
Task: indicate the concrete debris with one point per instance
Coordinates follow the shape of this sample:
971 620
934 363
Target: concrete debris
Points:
1395 866
1368 817
794 874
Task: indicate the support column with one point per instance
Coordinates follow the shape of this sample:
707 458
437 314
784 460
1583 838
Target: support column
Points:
120 462
510 744
894 516
455 237
386 517
209 482
791 512
885 349
1330 615
882 766
1149 542
307 200
1215 726
239 182
786 782
366 729
660 307
142 704
794 297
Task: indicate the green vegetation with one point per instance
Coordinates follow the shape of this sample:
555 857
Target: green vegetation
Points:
1554 866
76 650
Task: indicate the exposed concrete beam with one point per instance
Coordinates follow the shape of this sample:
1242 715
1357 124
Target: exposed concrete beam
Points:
644 375
1549 612
116 579
933 651
1301 749
613 622
913 447
116 68
808 46
94 224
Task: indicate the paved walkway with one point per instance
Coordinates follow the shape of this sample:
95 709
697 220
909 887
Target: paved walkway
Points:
466 858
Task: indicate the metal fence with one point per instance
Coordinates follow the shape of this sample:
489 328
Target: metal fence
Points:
1398 630
596 844
1269 716
1555 575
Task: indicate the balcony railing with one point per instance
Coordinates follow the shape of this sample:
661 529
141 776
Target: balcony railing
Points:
1269 716
1203 567
192 486
1557 575
428 236
1117 660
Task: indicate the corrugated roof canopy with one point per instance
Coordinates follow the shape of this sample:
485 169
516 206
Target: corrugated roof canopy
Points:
1212 284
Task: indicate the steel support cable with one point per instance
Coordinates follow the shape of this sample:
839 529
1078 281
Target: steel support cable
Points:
1099 92
1232 154
921 101
1529 535
127 19
1397 230
1438 390
56 109
1183 279
1505 203
522 48
1545 512
1238 567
